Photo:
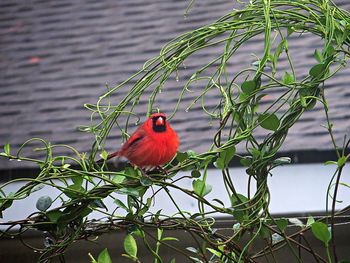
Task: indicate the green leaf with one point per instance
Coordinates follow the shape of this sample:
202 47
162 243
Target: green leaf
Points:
281 161
131 203
282 224
243 97
219 201
86 211
329 51
156 215
310 221
7 149
285 44
181 156
195 174
317 71
318 56
73 213
208 189
43 203
191 153
4 204
340 36
246 161
275 238
214 252
130 246
121 204
104 155
225 157
278 51
240 215
322 19
310 104
74 191
238 203
98 203
236 227
77 180
129 191
138 232
296 221
239 199
274 58
54 215
145 181
288 78
131 172
145 208
303 101
104 257
269 121
330 162
265 233
219 163
205 162
118 179
248 86
321 232
200 188
37 188
192 249
341 161
255 153
66 165
290 30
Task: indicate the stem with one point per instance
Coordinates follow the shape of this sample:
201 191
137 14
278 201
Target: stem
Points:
333 213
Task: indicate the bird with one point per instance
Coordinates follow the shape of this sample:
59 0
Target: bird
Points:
152 145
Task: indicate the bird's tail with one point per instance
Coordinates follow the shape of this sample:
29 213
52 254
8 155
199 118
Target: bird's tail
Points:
117 153
110 156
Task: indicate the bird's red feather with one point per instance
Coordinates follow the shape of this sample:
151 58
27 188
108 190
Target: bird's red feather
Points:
149 148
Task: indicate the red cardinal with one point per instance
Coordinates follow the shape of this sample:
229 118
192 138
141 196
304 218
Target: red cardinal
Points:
153 144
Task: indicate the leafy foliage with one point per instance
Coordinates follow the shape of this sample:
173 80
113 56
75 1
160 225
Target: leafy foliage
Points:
83 185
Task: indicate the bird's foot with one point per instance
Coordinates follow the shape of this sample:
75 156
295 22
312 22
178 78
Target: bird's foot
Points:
162 170
144 173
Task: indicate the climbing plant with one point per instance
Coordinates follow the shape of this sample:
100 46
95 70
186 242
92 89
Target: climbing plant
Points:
241 112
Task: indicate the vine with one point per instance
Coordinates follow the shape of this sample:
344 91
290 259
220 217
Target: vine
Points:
83 185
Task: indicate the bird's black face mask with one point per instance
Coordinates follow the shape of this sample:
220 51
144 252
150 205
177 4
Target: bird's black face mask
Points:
159 124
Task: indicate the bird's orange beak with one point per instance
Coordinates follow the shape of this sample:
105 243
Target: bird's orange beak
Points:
160 121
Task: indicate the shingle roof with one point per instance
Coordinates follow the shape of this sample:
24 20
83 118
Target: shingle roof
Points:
58 55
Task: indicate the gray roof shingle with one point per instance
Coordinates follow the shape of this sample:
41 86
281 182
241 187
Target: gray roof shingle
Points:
57 55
